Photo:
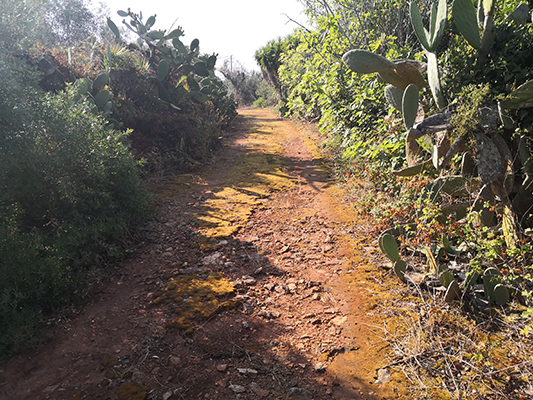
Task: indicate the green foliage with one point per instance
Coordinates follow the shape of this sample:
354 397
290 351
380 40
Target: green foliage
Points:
69 190
267 96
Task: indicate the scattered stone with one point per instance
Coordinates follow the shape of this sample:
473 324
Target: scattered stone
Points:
383 376
212 258
237 388
222 367
320 367
298 392
247 371
175 360
269 314
258 390
339 321
269 286
281 288
285 249
248 280
50 389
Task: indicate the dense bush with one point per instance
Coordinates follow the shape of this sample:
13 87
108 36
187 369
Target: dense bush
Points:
69 189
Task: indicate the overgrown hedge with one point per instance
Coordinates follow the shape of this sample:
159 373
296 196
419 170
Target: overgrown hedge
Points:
69 189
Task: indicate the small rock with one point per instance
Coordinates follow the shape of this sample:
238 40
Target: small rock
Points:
50 389
248 280
175 360
281 288
315 296
269 286
222 367
339 321
237 388
292 287
296 391
212 258
383 376
320 367
247 371
258 271
167 395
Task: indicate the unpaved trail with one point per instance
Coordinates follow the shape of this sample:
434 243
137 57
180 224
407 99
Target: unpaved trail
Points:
298 319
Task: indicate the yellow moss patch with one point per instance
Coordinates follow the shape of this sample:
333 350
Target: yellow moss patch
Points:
255 175
194 297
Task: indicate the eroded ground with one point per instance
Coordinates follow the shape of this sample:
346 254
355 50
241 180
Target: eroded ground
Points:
256 280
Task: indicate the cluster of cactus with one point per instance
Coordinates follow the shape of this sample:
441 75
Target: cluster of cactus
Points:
168 54
495 291
97 93
494 159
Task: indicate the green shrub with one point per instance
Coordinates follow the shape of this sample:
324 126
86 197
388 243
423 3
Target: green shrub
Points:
69 189
260 103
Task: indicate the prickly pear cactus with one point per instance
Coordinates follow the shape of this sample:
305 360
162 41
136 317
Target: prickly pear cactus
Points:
465 19
389 247
366 62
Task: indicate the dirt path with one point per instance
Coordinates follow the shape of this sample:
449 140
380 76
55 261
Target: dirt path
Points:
295 321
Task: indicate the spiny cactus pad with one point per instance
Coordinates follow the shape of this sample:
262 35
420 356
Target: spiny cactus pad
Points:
500 294
465 19
399 268
410 105
394 96
366 62
389 247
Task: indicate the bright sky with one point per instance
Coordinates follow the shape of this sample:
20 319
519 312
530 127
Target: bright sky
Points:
235 28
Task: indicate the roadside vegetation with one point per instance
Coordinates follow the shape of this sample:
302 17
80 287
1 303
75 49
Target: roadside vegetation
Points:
431 102
87 109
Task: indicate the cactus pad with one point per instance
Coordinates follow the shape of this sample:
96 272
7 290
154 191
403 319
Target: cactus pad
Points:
465 18
394 97
453 292
399 268
388 245
410 105
366 62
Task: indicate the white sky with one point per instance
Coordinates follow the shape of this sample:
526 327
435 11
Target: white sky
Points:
228 27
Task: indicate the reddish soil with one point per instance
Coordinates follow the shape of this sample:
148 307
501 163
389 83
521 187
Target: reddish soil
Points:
303 273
